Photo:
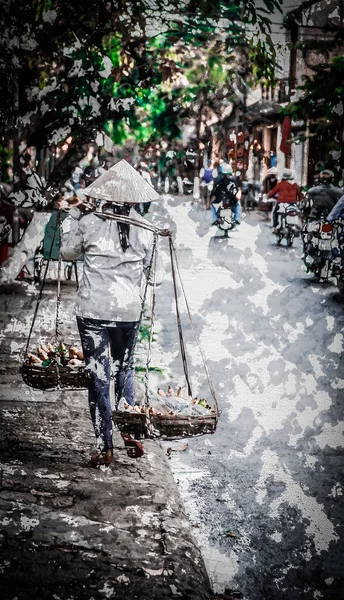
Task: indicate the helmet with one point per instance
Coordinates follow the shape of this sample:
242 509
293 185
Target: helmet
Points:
226 169
327 175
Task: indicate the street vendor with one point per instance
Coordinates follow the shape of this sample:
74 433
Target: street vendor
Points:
116 258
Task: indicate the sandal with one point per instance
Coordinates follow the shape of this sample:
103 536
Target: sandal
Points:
102 458
134 448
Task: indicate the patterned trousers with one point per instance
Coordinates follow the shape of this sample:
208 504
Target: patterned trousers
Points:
104 343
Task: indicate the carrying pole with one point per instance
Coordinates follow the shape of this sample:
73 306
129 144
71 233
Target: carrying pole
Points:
181 340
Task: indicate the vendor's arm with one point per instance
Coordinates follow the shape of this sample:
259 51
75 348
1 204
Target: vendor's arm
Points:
72 236
336 210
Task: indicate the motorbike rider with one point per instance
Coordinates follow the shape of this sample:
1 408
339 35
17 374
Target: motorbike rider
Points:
286 192
322 198
337 210
226 189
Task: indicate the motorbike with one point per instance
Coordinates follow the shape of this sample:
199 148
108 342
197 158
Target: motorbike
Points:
289 223
338 261
225 218
320 248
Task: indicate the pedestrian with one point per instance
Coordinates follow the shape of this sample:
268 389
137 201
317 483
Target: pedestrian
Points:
116 258
270 180
206 175
226 189
144 172
286 192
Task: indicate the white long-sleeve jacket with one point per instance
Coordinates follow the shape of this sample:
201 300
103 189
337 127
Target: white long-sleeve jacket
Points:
112 283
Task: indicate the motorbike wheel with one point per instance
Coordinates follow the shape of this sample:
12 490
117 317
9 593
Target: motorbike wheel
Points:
319 270
68 272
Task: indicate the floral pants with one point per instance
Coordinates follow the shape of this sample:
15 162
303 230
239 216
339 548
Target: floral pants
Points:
105 343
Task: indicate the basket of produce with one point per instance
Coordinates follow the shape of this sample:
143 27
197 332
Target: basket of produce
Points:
169 416
55 367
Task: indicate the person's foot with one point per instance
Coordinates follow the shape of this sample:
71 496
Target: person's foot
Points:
102 458
215 222
274 230
237 222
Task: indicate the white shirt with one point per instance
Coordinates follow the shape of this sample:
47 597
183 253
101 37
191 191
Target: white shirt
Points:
112 283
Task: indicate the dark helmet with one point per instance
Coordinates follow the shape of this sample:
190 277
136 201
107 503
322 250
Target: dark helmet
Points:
327 176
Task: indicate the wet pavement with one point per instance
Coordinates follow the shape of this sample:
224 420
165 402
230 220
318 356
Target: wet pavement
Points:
264 494
266 491
68 531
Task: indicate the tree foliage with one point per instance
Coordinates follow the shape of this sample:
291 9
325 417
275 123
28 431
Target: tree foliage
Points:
322 96
321 104
131 66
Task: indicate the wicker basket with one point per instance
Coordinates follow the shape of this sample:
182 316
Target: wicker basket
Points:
133 423
164 426
49 378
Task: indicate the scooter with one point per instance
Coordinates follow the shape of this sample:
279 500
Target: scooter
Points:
225 218
338 254
320 248
289 224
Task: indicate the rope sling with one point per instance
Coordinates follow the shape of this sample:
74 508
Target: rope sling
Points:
150 280
56 378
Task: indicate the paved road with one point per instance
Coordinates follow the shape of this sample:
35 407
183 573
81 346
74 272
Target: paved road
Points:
273 472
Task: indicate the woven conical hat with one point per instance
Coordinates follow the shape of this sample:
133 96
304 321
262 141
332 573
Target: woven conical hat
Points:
121 184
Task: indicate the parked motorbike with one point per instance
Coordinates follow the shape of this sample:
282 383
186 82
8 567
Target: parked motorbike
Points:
173 185
289 223
188 186
320 248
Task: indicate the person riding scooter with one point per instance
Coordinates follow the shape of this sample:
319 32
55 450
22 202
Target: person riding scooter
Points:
337 211
226 189
286 192
321 199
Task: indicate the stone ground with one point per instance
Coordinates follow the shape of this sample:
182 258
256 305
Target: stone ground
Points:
68 531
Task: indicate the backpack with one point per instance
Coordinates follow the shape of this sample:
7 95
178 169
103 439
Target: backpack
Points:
208 175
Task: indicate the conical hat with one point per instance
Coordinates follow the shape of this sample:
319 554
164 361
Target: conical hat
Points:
121 184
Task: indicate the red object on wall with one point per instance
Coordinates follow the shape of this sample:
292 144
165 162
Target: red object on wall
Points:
286 135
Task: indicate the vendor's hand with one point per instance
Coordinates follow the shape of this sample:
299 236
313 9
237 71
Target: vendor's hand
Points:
164 232
62 204
84 206
67 203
